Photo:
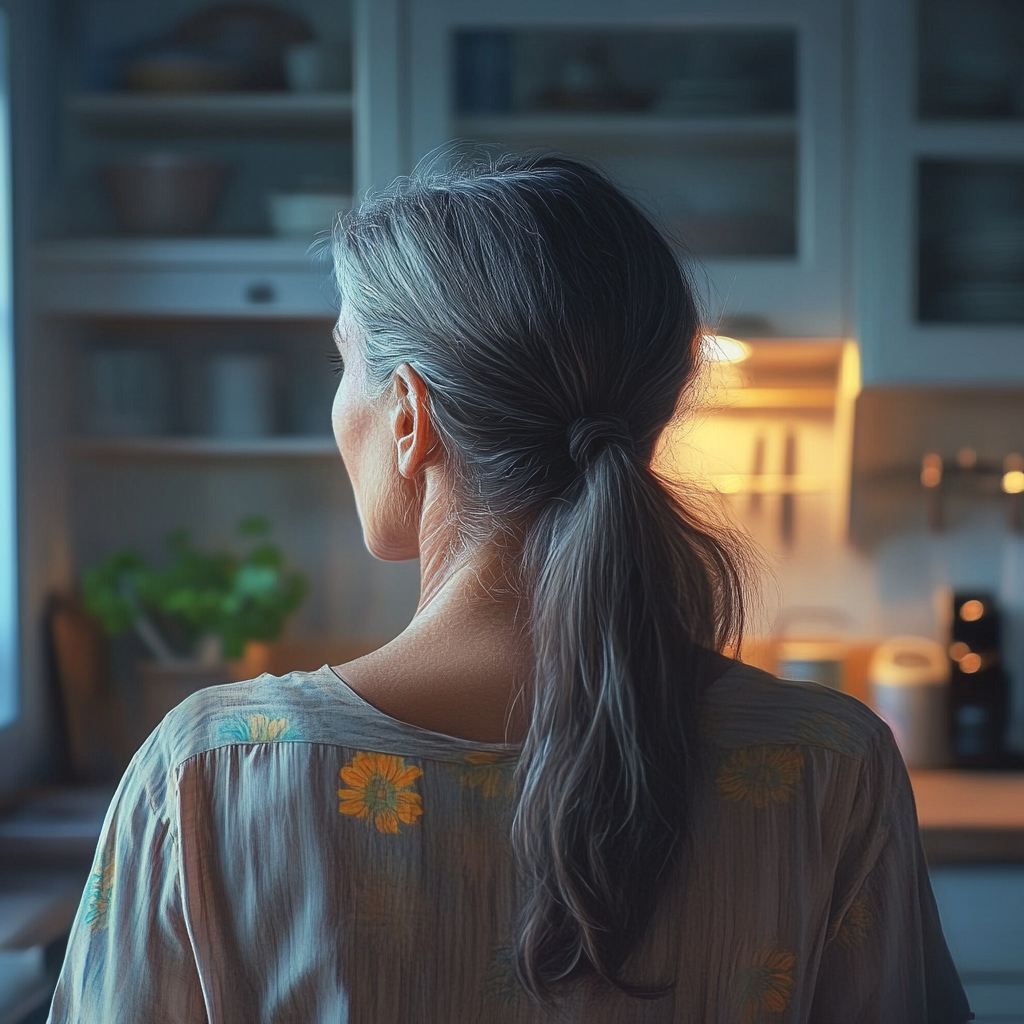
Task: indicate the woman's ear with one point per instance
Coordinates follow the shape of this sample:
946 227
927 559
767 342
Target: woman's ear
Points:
415 435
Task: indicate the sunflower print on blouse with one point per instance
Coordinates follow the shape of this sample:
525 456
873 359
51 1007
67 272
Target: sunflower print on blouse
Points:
257 729
380 789
98 893
765 985
852 928
825 730
485 772
760 775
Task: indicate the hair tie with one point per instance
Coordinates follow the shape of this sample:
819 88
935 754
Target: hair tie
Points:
589 435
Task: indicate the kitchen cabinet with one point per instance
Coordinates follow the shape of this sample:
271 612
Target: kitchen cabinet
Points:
982 912
939 192
725 119
972 826
134 333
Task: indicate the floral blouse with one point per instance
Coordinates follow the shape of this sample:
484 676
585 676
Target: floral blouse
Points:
281 851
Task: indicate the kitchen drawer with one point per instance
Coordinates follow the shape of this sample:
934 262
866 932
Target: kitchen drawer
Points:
996 1001
982 910
182 277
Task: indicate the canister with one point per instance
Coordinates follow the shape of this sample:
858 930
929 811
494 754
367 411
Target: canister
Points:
909 688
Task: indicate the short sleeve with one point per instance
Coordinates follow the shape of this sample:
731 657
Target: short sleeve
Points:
129 958
885 957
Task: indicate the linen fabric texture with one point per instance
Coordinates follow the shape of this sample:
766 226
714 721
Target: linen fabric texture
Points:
281 851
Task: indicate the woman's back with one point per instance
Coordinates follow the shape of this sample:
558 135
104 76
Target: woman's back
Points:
283 851
674 843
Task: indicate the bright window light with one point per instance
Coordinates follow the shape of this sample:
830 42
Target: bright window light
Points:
8 500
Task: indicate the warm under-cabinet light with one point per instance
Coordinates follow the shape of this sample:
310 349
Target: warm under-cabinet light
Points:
1013 482
717 348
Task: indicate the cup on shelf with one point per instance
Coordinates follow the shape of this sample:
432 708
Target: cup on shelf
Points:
483 72
322 66
127 392
304 214
241 396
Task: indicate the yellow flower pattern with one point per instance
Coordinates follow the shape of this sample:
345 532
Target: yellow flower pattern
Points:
852 928
766 983
99 890
380 789
760 775
485 773
824 730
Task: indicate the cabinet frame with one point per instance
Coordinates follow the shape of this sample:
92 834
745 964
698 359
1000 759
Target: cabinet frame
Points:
890 140
801 296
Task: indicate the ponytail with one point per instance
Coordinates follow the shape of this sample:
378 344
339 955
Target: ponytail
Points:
556 331
624 604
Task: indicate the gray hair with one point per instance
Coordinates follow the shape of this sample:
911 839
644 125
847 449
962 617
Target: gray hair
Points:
556 330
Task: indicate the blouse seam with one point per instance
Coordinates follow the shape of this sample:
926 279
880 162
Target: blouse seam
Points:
321 743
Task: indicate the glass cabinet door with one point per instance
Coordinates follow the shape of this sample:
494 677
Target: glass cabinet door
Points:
939 191
971 209
724 120
699 124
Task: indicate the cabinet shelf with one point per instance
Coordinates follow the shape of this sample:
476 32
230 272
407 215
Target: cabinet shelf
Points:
284 447
231 112
251 251
972 140
771 483
644 126
760 399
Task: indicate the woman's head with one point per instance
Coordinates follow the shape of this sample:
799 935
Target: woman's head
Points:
529 294
551 330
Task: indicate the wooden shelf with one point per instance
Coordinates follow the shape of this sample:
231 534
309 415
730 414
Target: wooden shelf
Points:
653 126
230 112
284 447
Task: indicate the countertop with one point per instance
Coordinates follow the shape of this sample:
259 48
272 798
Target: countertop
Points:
970 816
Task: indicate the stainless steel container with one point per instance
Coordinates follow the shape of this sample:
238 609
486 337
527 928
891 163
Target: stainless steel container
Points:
909 688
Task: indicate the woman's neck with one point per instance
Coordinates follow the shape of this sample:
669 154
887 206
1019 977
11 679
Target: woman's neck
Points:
464 663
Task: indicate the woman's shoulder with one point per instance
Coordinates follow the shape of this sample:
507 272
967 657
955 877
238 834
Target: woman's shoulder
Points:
746 706
300 707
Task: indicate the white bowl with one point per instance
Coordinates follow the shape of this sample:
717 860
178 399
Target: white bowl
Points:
304 214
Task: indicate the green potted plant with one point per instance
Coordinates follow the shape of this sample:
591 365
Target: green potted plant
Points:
199 610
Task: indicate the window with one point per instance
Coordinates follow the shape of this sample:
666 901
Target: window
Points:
8 501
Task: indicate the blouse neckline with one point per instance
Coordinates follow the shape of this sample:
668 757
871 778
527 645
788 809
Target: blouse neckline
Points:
418 732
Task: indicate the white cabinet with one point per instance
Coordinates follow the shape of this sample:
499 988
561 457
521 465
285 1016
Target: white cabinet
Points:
134 336
982 911
726 119
939 192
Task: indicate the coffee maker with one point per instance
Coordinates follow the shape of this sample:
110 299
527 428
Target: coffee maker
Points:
979 694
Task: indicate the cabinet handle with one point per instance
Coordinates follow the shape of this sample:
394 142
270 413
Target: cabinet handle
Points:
260 292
